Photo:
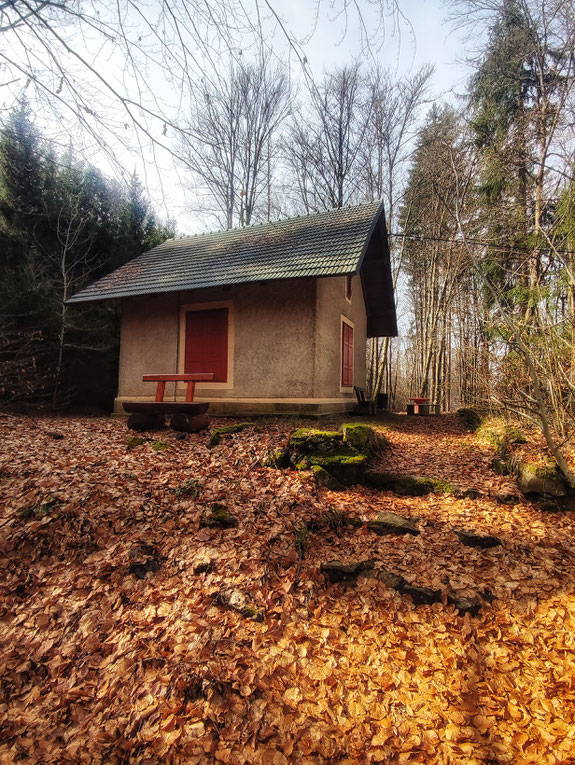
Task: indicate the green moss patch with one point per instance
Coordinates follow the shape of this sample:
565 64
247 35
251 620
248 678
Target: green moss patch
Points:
311 441
277 458
444 487
540 481
160 446
131 443
220 517
346 468
502 436
363 438
227 430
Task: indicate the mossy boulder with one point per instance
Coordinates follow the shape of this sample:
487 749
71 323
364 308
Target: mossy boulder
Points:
227 430
311 441
391 523
363 438
470 417
502 436
540 481
277 458
323 478
404 485
346 468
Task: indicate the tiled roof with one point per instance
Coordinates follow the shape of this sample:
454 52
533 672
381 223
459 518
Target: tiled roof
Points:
329 243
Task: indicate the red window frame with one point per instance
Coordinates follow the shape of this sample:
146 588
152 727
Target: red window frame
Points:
346 355
206 345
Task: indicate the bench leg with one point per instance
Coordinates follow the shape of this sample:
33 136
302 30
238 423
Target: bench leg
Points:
139 421
187 423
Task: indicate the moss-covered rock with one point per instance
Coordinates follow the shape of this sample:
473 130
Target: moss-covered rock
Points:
302 463
502 436
500 466
363 438
404 485
311 441
278 458
131 443
219 517
540 481
391 523
470 417
323 478
227 430
346 468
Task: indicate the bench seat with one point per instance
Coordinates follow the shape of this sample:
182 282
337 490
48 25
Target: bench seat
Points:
165 407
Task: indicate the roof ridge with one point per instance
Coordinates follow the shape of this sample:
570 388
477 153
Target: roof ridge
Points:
271 222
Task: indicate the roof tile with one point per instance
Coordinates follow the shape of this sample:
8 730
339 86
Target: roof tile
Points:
328 243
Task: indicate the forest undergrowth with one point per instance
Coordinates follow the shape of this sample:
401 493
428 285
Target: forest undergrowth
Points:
131 631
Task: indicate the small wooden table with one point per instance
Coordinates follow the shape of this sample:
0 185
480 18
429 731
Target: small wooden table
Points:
418 401
186 415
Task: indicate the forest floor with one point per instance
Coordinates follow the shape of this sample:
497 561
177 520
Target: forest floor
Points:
121 641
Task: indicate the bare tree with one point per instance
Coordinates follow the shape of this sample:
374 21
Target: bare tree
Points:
324 142
392 107
110 66
235 128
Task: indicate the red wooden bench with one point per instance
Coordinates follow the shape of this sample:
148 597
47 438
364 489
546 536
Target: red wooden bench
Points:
187 415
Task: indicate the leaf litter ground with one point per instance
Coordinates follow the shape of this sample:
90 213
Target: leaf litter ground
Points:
119 643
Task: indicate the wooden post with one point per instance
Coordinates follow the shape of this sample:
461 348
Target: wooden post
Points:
160 390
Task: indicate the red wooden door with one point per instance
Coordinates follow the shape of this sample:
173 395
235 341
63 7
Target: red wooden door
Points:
346 355
207 343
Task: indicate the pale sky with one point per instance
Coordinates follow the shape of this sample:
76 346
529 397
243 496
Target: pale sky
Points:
399 48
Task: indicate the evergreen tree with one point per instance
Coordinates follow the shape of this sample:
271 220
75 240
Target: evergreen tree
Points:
62 224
